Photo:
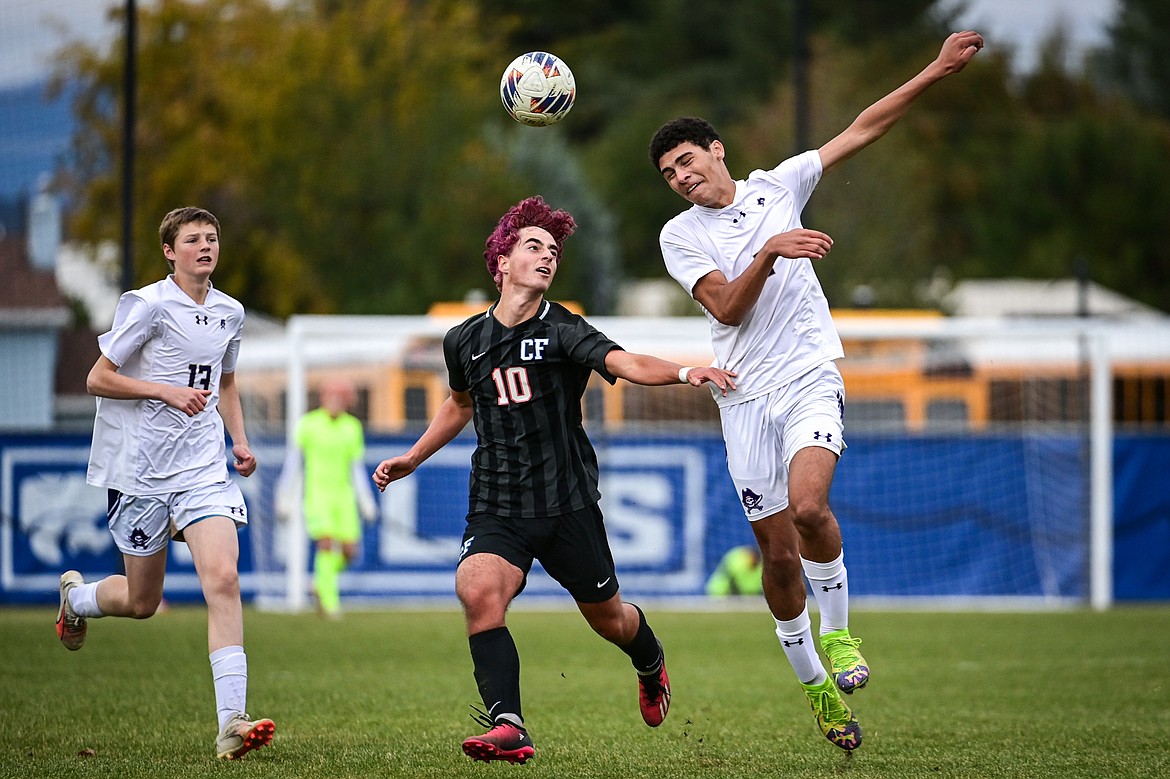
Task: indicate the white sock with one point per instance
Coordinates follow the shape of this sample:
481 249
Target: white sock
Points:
83 600
830 586
796 638
229 671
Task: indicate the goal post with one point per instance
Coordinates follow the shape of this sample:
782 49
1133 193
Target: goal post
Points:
1064 344
1101 511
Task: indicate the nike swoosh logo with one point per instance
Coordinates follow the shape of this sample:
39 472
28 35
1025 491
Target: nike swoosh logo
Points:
477 356
602 584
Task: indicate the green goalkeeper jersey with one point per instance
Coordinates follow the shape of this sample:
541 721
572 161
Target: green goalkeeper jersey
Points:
738 573
330 447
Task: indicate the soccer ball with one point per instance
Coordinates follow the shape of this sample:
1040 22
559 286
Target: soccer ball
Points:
538 89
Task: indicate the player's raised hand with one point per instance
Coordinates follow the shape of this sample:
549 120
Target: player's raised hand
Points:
958 49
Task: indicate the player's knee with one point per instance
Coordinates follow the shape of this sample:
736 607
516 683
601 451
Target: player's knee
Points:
610 627
145 608
780 559
222 583
811 516
481 601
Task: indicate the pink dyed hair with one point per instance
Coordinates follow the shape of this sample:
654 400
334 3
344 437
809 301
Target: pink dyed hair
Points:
530 212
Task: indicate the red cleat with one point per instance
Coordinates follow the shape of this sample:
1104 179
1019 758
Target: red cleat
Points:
654 693
504 741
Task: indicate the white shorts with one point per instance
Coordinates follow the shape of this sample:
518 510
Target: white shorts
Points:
142 524
765 433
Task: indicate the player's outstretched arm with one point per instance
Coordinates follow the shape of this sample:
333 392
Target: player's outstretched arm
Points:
653 371
451 417
875 121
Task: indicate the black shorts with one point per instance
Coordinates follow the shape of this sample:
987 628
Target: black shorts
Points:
572 548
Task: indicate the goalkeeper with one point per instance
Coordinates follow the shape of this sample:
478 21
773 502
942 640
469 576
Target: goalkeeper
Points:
324 471
738 573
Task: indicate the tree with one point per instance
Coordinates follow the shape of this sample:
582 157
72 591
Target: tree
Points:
358 155
640 63
340 143
1137 60
1078 173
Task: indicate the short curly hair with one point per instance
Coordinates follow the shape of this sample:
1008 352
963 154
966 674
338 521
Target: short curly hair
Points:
530 212
685 129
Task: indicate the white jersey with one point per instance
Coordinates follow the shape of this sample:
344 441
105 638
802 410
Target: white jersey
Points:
789 330
145 447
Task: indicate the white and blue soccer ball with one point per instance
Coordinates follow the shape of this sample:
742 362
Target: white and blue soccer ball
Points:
538 89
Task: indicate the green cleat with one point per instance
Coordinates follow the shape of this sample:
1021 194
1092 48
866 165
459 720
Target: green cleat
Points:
847 666
833 717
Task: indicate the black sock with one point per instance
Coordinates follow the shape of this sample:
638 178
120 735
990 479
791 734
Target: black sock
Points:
644 650
497 672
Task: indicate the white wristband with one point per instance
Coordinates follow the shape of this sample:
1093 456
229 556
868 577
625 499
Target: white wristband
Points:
682 375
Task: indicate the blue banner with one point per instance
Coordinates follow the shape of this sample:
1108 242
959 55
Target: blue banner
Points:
1141 518
931 516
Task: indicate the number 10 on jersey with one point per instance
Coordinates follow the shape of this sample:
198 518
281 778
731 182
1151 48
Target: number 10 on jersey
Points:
512 385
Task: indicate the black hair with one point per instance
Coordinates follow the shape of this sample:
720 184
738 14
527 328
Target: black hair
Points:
685 129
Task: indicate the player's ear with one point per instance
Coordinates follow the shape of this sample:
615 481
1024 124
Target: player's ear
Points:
718 150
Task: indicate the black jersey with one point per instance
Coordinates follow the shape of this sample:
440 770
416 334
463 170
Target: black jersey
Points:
533 458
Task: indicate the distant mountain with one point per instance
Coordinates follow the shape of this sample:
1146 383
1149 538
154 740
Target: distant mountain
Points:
34 137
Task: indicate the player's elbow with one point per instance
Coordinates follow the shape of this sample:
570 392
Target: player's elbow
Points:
93 383
730 320
727 315
723 307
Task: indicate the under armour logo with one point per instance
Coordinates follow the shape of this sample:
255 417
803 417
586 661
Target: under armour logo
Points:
202 319
234 510
138 538
826 587
751 501
817 436
797 642
463 550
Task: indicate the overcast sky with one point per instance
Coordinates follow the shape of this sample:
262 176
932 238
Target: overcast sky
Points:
32 30
1025 24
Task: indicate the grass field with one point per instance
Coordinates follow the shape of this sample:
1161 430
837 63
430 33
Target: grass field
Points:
384 694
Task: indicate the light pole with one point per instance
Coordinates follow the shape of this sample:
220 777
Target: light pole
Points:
800 59
129 90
